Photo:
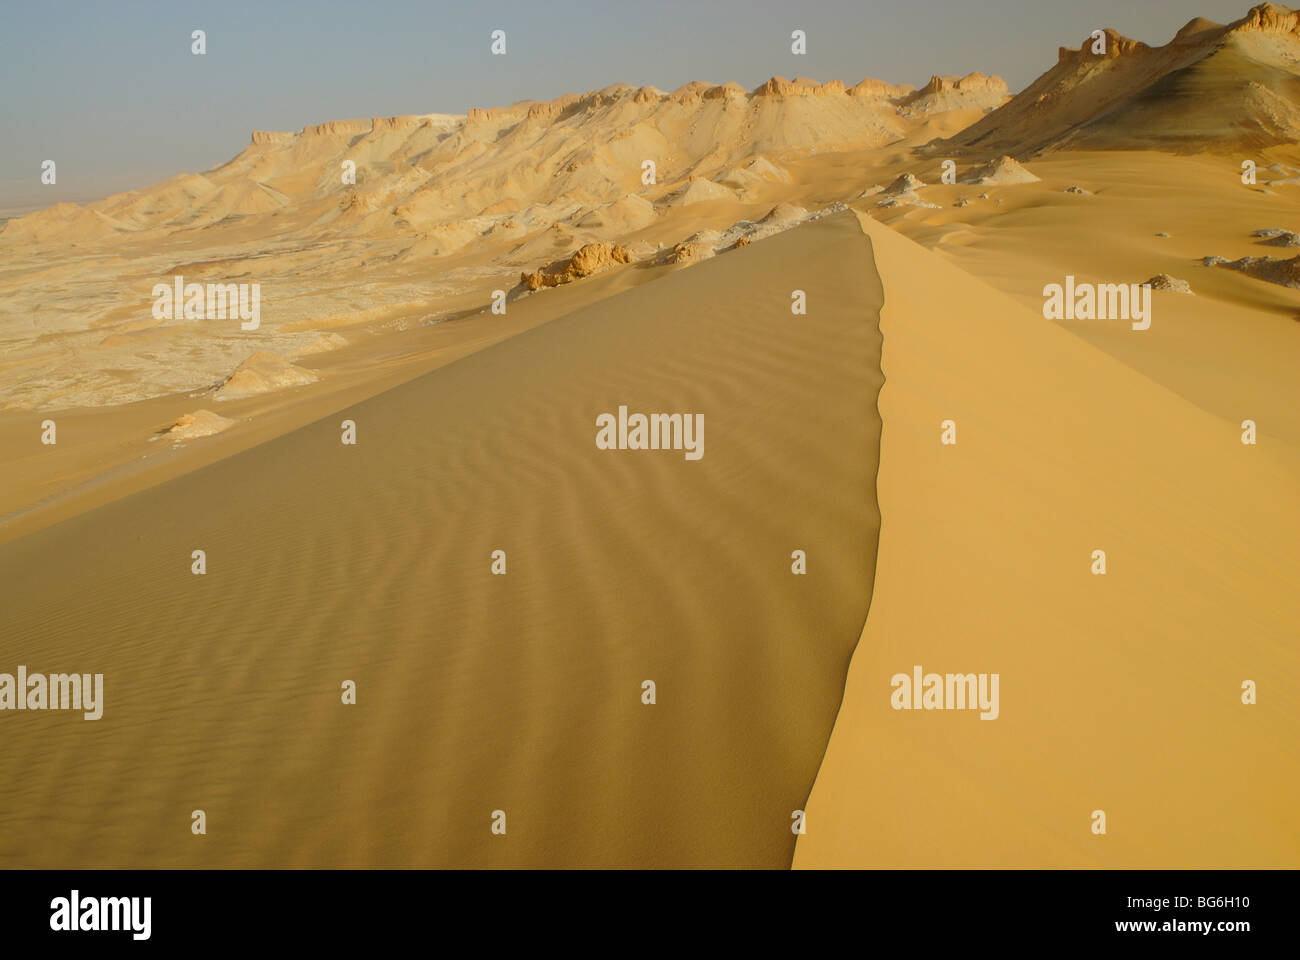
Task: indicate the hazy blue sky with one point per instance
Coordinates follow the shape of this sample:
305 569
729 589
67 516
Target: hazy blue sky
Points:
111 92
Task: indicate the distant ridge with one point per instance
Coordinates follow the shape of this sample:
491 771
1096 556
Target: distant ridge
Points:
1211 86
447 178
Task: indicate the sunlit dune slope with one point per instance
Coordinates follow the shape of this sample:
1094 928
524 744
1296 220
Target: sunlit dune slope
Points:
1120 692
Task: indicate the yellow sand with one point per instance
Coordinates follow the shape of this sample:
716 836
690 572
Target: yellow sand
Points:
1120 692
1232 348
475 692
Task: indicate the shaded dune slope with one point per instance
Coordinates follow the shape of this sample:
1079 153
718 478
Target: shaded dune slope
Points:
477 692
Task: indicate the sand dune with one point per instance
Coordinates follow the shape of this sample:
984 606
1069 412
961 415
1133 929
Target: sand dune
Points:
477 692
1232 349
1119 692
647 245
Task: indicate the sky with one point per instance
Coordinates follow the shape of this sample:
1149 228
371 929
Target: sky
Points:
112 93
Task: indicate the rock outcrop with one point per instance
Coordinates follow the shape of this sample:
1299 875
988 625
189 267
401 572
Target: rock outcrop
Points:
1003 170
200 423
262 373
1162 281
589 259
